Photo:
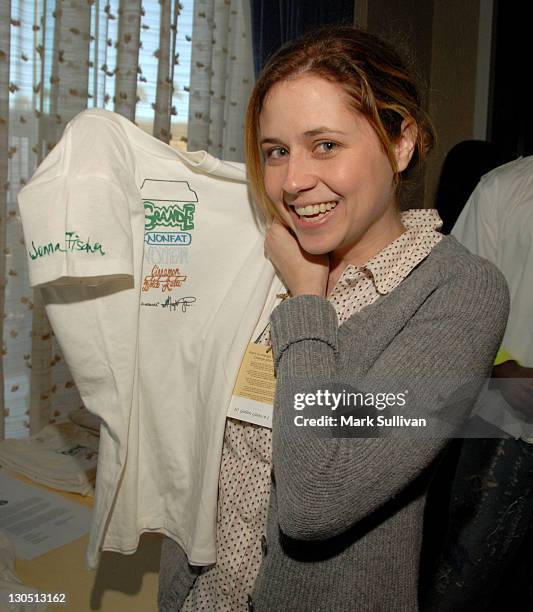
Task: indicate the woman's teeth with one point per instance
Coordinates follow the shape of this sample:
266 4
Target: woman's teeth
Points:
316 211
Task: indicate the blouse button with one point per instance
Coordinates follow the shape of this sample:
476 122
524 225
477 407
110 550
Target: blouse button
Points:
246 517
225 589
263 546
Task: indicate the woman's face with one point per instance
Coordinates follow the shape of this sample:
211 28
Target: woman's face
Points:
325 169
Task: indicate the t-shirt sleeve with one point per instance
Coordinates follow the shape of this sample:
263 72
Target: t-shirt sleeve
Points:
477 225
76 210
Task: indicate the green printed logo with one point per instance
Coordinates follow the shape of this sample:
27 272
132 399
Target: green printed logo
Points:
172 215
73 244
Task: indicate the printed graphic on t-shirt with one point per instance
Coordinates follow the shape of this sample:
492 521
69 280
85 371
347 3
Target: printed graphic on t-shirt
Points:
163 256
163 278
172 305
169 208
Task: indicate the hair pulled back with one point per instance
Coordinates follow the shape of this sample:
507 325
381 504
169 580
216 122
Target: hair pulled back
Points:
377 81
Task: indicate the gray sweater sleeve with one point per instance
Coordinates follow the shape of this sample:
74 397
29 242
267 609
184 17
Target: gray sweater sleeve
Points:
324 486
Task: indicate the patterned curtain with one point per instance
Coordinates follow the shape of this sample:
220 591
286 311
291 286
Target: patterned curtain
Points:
5 19
222 77
58 57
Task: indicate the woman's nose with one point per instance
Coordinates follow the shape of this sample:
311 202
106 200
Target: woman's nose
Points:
299 176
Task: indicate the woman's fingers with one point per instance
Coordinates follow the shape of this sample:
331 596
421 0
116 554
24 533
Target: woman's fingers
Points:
302 273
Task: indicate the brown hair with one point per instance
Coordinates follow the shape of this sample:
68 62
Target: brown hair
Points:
377 80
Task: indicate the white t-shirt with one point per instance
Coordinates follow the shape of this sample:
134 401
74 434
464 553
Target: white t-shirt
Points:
154 278
497 223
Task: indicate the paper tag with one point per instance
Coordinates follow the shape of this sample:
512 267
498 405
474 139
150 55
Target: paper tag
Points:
253 394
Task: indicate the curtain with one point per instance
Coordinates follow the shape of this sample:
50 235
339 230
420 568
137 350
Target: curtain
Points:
275 22
221 77
5 19
58 57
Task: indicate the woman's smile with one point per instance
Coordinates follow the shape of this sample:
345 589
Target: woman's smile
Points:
312 216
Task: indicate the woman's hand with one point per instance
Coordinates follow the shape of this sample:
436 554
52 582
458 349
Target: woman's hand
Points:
302 273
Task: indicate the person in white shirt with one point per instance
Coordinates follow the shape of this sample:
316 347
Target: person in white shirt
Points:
487 549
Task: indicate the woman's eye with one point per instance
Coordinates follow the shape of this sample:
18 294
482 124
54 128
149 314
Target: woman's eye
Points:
276 153
326 147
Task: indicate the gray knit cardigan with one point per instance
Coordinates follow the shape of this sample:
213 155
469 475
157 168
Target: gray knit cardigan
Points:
344 527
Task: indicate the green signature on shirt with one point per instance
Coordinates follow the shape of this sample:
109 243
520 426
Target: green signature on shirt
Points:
72 244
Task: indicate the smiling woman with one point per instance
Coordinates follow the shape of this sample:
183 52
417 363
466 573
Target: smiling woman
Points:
333 186
334 125
378 298
376 82
342 168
